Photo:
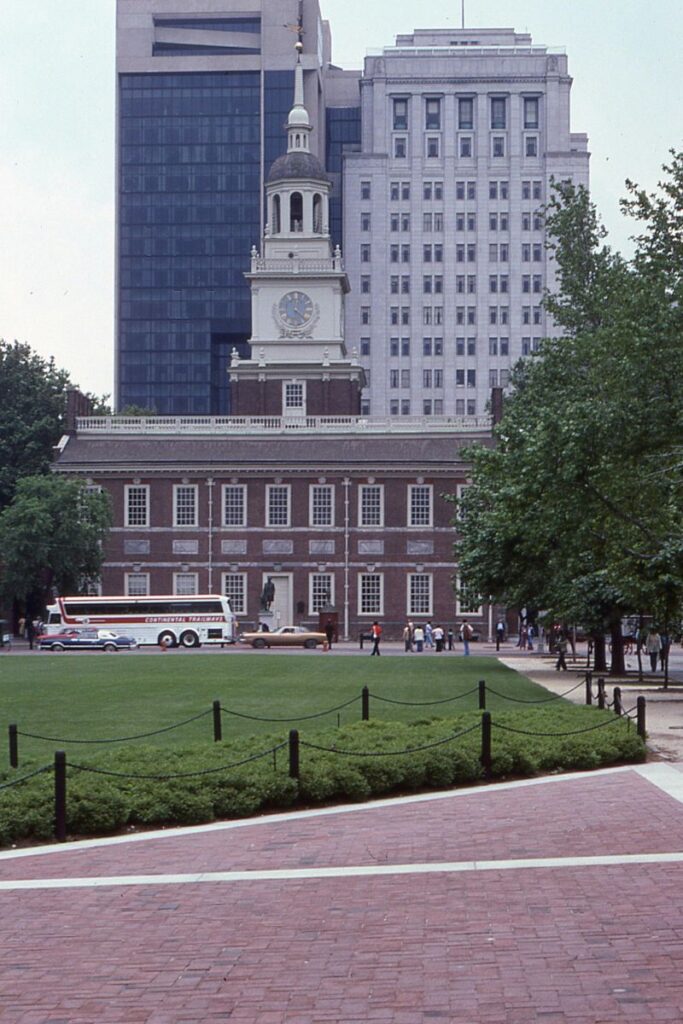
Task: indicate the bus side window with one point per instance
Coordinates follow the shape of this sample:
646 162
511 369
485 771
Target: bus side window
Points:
54 618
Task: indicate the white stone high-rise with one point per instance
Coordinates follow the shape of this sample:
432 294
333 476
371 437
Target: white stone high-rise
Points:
463 132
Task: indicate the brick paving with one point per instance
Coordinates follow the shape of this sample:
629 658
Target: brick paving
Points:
570 944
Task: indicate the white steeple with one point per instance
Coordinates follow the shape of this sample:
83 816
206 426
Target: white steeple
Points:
299 125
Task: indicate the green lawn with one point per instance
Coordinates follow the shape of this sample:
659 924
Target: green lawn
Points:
84 696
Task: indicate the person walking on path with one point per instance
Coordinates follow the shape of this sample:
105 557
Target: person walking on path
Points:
329 633
408 637
500 633
376 637
561 648
664 650
419 635
653 646
429 639
466 636
438 635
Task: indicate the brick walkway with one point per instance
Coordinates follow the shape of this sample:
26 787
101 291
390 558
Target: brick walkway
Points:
385 913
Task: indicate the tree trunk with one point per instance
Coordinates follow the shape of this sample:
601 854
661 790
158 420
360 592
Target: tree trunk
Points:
617 666
599 659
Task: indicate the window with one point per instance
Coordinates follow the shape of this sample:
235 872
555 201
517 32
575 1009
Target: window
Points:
405 222
321 590
503 189
426 346
405 190
405 254
526 222
393 253
526 283
438 222
498 112
504 314
531 112
471 284
365 253
493 346
185 505
438 190
405 378
537 252
365 221
405 407
371 593
471 190
471 346
526 346
427 190
277 501
137 505
400 115
419 594
503 222
537 315
293 396
235 589
471 378
493 190
234 505
538 222
460 190
465 146
400 148
365 346
493 253
498 146
531 145
526 252
503 252
460 253
393 378
493 222
432 148
504 346
426 378
438 379
526 190
365 315
371 505
405 346
460 407
438 253
468 600
405 285
185 583
465 112
536 190
394 222
427 253
322 505
393 407
393 315
393 284
405 316
427 407
365 284
504 378
471 407
493 378
394 191
526 314
438 406
493 314
365 190
538 284
137 584
433 115
393 346
459 378
471 314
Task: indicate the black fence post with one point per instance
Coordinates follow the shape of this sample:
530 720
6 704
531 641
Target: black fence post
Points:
217 722
640 710
618 706
60 796
486 743
482 694
294 753
365 704
13 747
589 687
601 694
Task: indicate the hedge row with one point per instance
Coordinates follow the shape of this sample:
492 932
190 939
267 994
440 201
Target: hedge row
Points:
100 804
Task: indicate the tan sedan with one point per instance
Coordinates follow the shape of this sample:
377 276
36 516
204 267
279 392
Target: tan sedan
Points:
285 636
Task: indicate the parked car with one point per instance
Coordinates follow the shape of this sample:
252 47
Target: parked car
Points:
86 639
284 636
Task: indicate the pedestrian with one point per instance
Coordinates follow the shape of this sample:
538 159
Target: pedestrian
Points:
500 633
419 636
429 637
561 648
438 635
376 637
30 632
466 636
451 638
664 651
22 626
329 633
653 646
530 633
408 637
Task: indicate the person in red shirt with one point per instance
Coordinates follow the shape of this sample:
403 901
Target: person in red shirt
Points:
376 637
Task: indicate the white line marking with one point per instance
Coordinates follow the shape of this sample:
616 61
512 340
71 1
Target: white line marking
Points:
665 777
351 871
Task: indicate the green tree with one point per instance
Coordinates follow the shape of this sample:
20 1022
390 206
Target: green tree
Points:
32 406
578 506
51 536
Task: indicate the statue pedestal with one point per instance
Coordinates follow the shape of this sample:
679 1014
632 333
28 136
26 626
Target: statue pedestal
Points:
266 618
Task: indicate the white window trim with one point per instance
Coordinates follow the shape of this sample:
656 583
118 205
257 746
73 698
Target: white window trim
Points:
127 579
310 588
430 610
420 526
288 489
373 526
175 584
311 491
295 410
371 615
127 489
458 607
185 526
237 611
234 526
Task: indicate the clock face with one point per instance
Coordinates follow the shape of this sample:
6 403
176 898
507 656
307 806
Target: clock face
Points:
295 309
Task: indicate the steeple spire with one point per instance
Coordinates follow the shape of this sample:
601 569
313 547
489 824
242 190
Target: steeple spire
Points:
299 125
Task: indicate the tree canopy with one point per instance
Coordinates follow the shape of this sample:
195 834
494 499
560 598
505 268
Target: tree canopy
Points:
577 508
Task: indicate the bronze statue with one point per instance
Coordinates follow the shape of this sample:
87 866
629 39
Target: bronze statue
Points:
267 594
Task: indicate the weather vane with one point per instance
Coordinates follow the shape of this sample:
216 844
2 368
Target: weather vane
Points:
299 26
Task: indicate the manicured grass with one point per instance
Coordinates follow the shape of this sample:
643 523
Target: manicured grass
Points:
82 696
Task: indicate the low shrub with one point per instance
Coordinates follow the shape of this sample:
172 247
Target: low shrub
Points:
149 786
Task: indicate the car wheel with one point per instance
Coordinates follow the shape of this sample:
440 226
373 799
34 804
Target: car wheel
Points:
310 644
258 643
57 647
110 647
189 639
166 639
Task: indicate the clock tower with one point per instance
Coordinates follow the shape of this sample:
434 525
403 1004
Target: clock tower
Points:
299 364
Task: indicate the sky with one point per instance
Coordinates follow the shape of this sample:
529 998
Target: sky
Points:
57 137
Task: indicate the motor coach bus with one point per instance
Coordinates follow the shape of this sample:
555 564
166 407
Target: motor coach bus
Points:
165 620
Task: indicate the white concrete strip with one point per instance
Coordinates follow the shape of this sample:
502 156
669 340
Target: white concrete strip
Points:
322 812
349 871
665 776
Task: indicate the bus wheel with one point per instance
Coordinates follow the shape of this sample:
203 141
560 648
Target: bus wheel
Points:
166 639
189 639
